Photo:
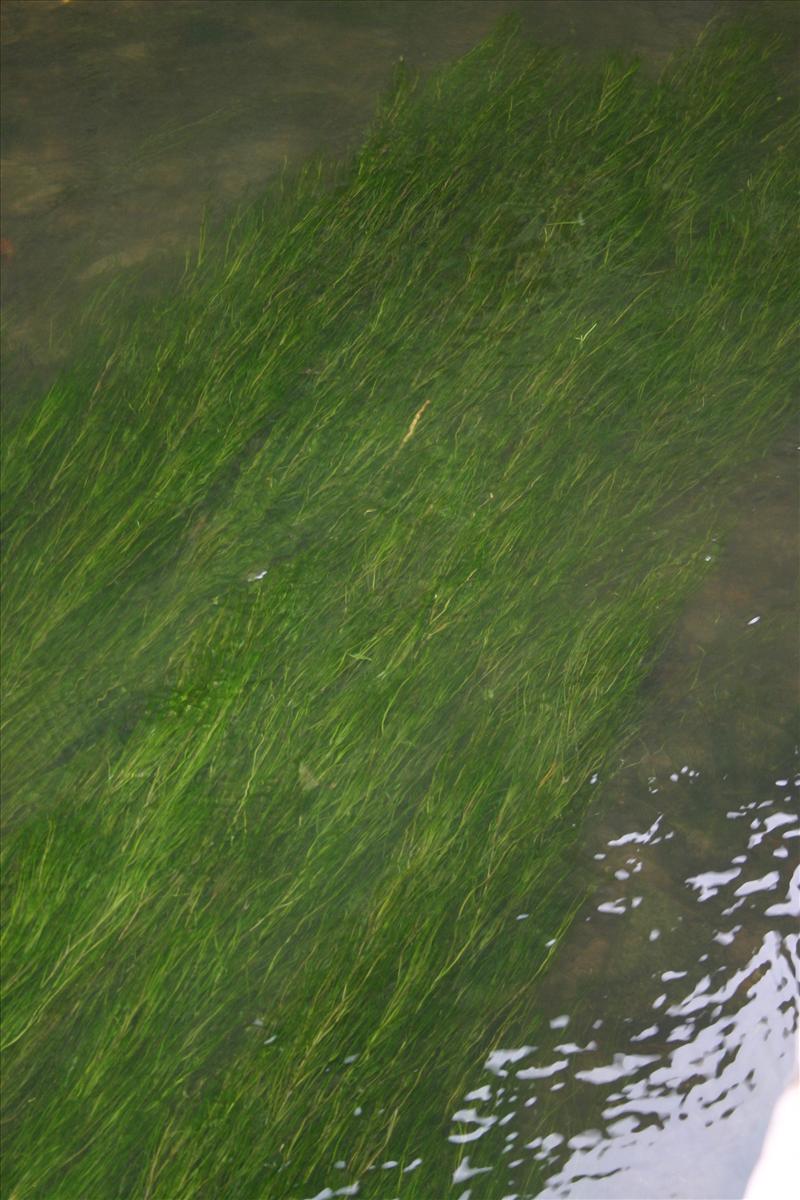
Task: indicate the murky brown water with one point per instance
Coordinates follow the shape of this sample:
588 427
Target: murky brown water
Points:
671 1008
123 120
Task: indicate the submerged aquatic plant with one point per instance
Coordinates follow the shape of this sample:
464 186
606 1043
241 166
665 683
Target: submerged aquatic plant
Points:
327 582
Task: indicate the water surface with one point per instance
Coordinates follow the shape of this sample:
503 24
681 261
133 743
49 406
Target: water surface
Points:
664 1030
668 1022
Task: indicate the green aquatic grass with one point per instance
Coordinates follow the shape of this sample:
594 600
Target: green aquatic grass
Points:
329 580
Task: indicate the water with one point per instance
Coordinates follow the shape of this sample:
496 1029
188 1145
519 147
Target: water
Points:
679 989
666 1027
124 121
664 1030
681 982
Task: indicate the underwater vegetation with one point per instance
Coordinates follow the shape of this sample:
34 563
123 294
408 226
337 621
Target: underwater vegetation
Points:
329 580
